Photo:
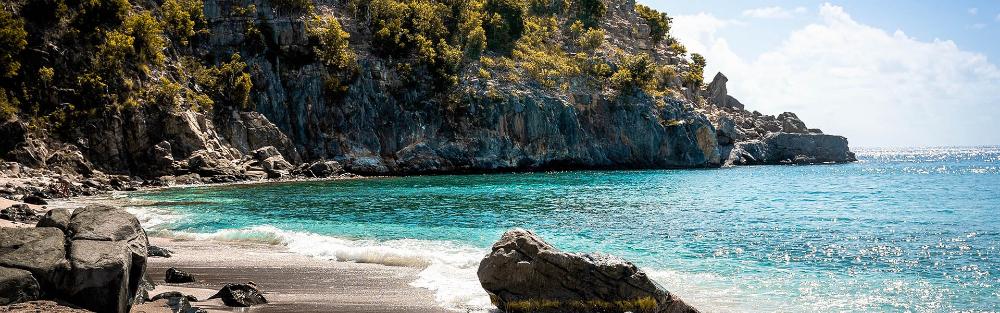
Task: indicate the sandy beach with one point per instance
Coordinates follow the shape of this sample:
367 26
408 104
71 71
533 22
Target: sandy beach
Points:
291 282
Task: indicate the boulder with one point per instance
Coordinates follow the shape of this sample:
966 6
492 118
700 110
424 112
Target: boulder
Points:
108 257
173 294
523 273
155 251
240 295
20 213
41 251
324 168
265 153
17 285
207 163
69 160
34 199
176 276
58 218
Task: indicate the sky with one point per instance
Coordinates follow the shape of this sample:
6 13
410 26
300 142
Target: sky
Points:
888 73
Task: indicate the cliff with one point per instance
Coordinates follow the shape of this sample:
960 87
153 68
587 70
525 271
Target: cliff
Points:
224 90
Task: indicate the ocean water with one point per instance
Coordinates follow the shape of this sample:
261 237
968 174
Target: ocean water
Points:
912 230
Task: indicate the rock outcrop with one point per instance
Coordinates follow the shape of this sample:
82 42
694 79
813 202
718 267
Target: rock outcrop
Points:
786 148
523 273
96 262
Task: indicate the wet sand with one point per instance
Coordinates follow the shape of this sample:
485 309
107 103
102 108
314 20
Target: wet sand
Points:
291 282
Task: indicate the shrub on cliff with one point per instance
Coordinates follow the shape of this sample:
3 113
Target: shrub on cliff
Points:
13 39
695 76
635 72
590 12
504 24
659 23
183 19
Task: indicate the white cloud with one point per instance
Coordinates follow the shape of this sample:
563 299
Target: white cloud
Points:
978 26
973 11
774 12
873 86
998 18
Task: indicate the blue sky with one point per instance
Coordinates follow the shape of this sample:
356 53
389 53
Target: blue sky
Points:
883 73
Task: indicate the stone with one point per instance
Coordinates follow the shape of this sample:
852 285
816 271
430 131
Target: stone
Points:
265 153
523 273
176 276
58 218
34 199
173 294
41 251
240 295
20 213
209 164
324 169
17 285
108 255
106 275
69 160
155 251
106 223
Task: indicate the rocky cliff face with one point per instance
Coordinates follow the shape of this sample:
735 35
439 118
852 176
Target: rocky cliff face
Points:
386 124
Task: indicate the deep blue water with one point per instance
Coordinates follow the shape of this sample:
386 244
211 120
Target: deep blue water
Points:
900 230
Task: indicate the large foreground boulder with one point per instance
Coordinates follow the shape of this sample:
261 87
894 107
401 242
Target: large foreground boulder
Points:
523 273
108 256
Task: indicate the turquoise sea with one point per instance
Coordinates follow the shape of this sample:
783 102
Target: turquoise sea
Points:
901 230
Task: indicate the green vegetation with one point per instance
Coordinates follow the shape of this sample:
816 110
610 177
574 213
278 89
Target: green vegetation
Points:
590 12
635 73
695 76
183 19
66 59
659 23
13 38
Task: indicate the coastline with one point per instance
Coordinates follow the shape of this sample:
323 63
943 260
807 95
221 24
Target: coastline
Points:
291 282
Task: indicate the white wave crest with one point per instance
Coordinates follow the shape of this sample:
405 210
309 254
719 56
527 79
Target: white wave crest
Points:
448 269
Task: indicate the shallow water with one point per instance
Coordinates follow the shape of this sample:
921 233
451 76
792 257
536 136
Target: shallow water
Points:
900 230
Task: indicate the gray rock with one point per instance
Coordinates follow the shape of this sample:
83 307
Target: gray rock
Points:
266 152
173 294
20 213
58 218
324 168
240 295
34 199
106 275
41 251
176 276
108 256
161 252
106 223
17 285
523 273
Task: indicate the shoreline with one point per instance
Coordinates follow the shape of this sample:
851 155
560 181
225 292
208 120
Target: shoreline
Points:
292 282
